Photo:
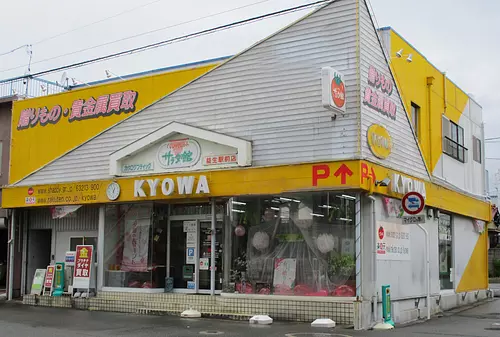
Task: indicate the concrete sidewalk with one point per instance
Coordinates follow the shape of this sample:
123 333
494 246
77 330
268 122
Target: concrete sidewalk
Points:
18 320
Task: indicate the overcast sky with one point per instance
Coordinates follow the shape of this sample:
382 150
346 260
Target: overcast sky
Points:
455 35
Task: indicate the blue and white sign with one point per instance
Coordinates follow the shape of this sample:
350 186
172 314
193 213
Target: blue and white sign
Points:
191 285
190 255
413 203
69 258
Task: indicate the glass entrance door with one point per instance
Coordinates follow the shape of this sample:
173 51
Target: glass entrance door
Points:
182 272
190 255
205 261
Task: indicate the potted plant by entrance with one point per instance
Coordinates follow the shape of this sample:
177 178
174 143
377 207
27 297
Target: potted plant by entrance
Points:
341 267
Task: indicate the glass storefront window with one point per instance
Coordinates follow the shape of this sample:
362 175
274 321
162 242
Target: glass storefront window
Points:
445 251
135 246
297 244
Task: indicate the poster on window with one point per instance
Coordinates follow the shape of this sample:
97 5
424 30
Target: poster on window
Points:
393 241
393 207
136 245
285 271
83 266
59 212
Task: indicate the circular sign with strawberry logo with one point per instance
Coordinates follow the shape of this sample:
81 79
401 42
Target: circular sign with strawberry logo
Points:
338 91
31 191
381 233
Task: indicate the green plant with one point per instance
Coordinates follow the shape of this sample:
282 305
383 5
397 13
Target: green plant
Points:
496 267
240 266
341 265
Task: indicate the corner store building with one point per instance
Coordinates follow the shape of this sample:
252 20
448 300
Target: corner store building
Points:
249 133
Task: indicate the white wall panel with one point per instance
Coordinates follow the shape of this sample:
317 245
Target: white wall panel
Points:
85 218
409 281
464 242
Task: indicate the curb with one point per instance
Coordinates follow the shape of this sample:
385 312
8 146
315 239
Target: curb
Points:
448 313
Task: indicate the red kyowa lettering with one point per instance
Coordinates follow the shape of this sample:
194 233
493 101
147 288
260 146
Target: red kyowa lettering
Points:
104 105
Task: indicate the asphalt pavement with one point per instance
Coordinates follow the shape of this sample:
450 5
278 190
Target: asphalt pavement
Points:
17 320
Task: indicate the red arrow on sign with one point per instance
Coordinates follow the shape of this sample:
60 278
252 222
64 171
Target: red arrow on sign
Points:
343 171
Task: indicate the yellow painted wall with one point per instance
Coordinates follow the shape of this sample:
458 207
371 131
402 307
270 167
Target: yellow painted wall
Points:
412 82
411 79
34 147
475 275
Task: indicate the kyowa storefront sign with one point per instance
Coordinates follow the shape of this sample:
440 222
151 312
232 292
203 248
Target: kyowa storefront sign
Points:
187 185
378 93
403 185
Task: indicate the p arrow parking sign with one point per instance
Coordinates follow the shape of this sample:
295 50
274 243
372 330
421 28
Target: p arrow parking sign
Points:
413 203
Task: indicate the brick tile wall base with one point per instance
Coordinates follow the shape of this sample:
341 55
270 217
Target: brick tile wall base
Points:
240 308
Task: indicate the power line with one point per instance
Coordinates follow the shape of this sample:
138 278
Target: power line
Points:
81 27
133 36
96 22
13 50
489 139
174 40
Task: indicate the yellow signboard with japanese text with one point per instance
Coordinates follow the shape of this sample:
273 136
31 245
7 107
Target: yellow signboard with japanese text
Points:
45 128
343 176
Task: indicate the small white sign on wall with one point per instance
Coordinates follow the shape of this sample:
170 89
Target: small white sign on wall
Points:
393 241
190 226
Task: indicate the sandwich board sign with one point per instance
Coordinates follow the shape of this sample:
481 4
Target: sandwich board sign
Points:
38 280
83 267
48 283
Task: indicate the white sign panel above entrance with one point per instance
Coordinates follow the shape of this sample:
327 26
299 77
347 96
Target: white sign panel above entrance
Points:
179 148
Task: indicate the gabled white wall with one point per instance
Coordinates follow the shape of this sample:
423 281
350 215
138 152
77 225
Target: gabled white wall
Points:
406 155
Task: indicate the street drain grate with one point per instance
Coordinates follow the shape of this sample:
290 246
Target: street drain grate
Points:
211 332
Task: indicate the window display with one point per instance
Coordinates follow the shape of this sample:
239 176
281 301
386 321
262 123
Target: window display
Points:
445 251
300 244
134 246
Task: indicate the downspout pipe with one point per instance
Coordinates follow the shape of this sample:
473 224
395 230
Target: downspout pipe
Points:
11 243
373 221
430 82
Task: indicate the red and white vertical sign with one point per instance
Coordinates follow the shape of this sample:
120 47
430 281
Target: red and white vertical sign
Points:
83 266
49 277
